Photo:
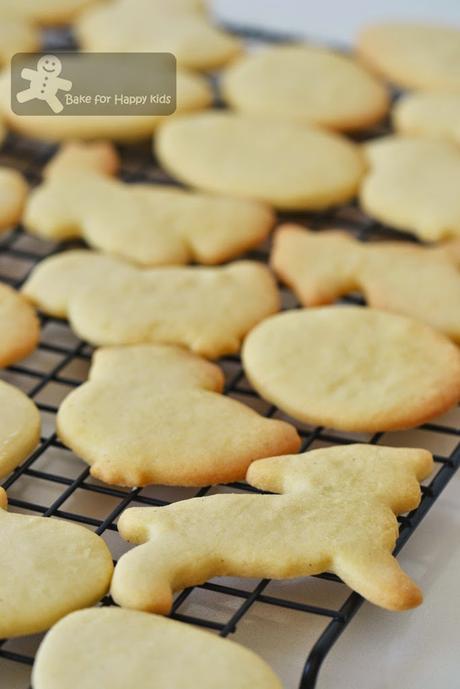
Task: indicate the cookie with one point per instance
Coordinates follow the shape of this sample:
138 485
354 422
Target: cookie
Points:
336 512
408 186
417 281
49 567
147 224
45 12
288 165
435 113
19 427
13 194
110 302
308 85
172 26
193 93
113 648
413 56
19 326
177 428
16 36
353 368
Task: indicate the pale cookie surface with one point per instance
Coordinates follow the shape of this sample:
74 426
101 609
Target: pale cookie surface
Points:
110 302
147 224
406 278
336 512
48 568
13 193
47 12
306 84
19 427
16 36
193 93
111 648
19 326
411 186
178 27
288 165
414 56
353 368
177 429
435 113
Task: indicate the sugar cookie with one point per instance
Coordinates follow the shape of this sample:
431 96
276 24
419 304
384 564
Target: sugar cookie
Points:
19 326
411 187
436 113
19 427
16 36
48 568
110 302
111 648
173 26
336 512
193 93
353 368
288 165
13 193
414 56
306 84
48 12
406 278
147 224
177 429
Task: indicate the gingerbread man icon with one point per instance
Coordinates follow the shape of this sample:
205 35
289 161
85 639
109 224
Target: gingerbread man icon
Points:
45 82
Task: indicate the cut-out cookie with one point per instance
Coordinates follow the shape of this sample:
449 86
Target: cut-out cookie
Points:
414 280
13 194
19 326
110 302
435 113
46 12
19 427
177 429
353 368
193 93
306 84
147 224
83 651
410 186
172 26
337 513
16 36
414 56
48 568
285 164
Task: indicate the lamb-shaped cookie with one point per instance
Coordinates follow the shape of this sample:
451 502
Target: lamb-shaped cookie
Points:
422 282
19 427
336 512
153 414
110 302
19 326
147 224
48 568
111 648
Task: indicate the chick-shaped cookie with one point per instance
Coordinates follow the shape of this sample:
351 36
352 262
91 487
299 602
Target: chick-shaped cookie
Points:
110 302
19 427
418 281
111 648
147 224
48 568
153 414
336 512
19 326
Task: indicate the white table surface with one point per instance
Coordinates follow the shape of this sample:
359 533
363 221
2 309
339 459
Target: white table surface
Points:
379 650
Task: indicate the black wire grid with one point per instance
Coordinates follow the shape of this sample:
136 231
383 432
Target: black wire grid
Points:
50 374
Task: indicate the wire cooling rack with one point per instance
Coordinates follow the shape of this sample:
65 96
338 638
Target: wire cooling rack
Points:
54 483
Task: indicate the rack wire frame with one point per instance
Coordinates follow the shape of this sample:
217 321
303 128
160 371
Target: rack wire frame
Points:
137 165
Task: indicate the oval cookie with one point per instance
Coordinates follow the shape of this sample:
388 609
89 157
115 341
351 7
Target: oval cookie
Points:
306 84
353 368
112 648
287 165
19 326
19 427
435 113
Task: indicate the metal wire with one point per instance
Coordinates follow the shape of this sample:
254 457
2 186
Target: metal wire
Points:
17 257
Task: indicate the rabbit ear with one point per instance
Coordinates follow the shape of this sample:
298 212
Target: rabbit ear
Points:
286 474
3 499
100 157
